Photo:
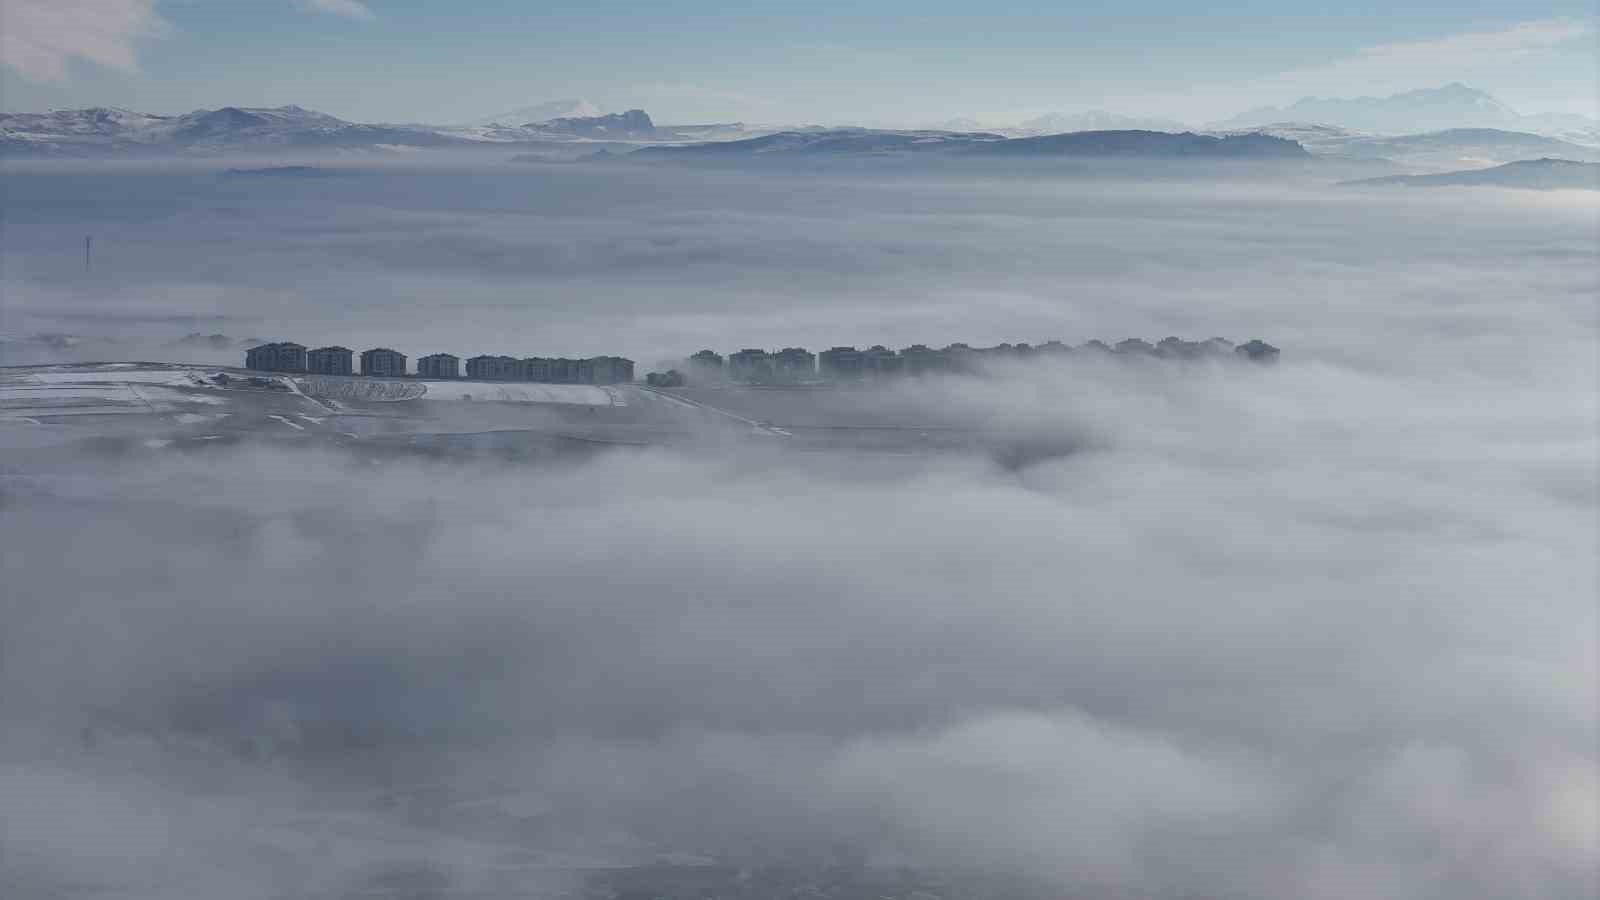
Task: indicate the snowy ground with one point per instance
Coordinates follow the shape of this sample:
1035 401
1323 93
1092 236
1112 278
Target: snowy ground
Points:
379 390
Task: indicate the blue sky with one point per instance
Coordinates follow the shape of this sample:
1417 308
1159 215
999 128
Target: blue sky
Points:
828 61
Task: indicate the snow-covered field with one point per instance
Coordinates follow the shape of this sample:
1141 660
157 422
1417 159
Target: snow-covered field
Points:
124 373
108 389
582 394
378 390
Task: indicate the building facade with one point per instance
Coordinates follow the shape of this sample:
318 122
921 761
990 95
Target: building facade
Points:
439 365
330 361
794 364
383 361
879 361
840 362
536 368
563 370
495 368
706 364
1257 351
279 356
750 364
611 370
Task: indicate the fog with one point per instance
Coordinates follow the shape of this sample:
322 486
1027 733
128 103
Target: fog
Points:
1324 629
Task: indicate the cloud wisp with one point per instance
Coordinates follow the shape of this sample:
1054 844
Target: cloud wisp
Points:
349 9
1404 65
39 39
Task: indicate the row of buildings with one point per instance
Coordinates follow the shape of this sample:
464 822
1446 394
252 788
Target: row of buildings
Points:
287 356
795 364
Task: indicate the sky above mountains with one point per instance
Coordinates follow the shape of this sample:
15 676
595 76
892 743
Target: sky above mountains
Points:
886 63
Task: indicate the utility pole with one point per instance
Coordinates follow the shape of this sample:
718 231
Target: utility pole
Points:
87 244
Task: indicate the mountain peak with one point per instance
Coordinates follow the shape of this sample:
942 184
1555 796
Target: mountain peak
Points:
543 112
1454 105
633 122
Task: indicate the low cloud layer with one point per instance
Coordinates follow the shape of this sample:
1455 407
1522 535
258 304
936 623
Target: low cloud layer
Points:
1322 630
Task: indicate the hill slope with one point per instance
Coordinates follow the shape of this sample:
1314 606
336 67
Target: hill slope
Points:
1528 174
863 142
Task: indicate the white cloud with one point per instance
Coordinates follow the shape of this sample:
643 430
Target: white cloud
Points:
38 38
1402 65
350 9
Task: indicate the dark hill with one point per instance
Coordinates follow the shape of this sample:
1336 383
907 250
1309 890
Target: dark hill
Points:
1147 145
1529 174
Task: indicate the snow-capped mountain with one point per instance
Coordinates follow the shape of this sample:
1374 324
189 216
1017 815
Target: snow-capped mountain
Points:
635 123
92 133
542 112
867 142
1062 123
1095 120
822 142
1430 109
113 132
1451 148
98 121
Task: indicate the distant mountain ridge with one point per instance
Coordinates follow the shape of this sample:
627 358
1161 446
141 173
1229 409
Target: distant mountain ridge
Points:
822 142
1454 105
1151 145
232 130
633 123
118 132
866 142
1452 148
111 132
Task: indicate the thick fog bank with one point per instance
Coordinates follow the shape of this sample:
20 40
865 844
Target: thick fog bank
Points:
655 263
1324 629
1307 631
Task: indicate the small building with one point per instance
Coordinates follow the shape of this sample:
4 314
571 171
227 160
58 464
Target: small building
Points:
383 361
563 370
920 358
609 370
840 362
1053 348
330 361
494 368
439 365
1177 348
279 356
794 363
706 359
535 368
750 364
879 361
1257 351
961 357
